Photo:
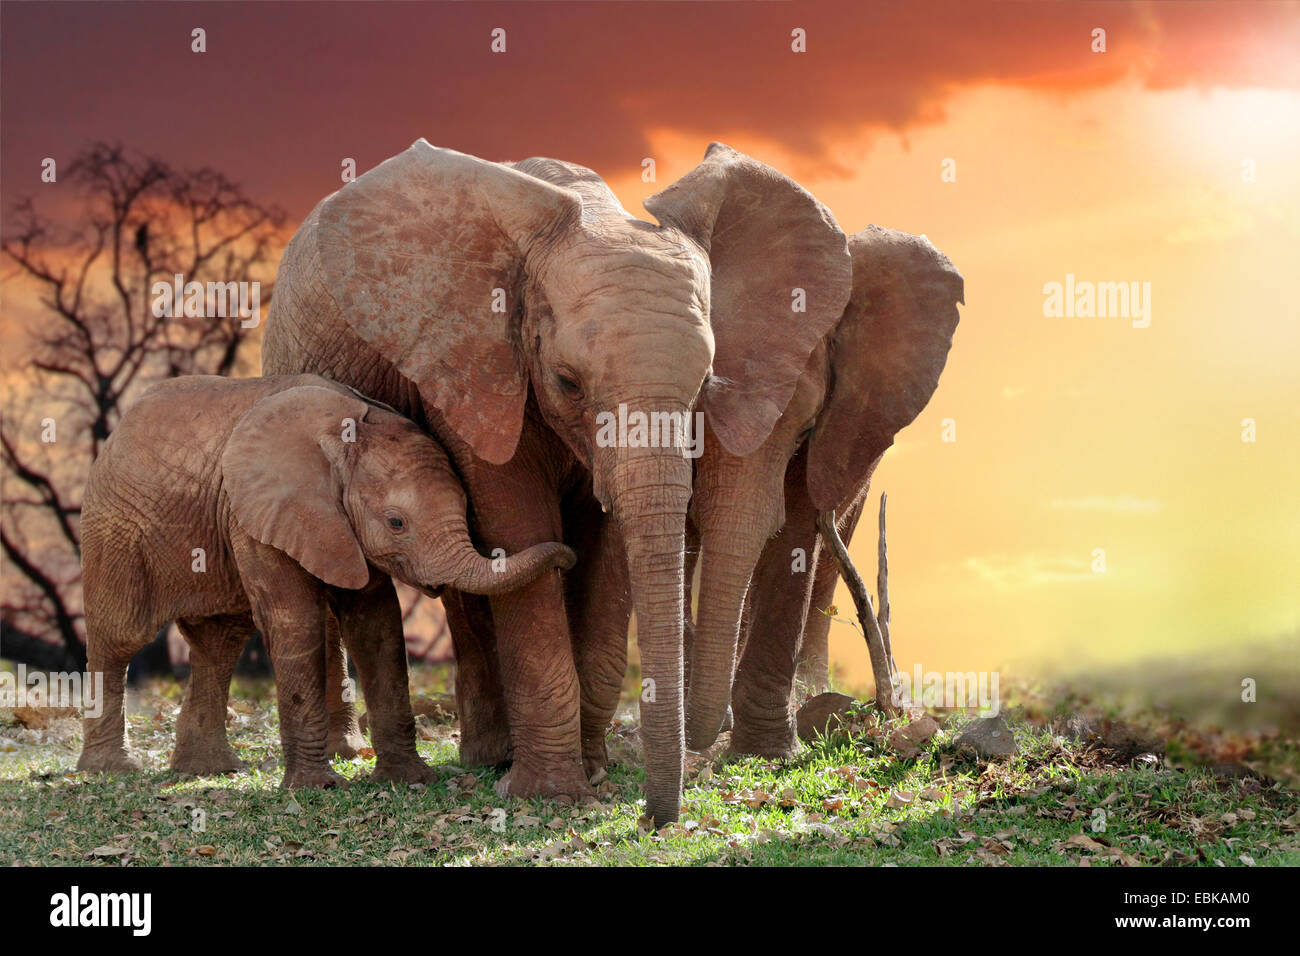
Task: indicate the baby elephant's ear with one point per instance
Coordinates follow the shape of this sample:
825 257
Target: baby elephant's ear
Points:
282 488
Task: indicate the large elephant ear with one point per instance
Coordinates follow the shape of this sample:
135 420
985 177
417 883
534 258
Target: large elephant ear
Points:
277 473
886 356
781 278
424 255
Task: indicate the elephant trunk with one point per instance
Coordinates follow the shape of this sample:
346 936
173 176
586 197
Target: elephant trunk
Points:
731 545
650 489
480 575
454 562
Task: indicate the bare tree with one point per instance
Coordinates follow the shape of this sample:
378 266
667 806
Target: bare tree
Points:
96 337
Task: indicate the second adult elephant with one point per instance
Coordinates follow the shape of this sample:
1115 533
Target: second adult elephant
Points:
756 512
507 307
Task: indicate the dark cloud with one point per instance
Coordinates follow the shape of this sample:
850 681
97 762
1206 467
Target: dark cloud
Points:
287 90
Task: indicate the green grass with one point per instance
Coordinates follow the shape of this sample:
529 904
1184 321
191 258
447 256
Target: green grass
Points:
842 800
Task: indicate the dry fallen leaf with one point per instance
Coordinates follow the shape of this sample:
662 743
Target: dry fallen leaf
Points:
38 718
1085 842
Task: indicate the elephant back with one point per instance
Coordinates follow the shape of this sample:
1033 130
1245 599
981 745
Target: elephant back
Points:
307 332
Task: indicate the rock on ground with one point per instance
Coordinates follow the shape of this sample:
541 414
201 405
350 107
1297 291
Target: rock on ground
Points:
988 737
908 741
821 714
1129 739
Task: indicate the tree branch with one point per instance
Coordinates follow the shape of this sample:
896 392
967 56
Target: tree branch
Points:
866 615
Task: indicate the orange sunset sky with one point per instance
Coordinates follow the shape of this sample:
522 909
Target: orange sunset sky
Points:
1169 159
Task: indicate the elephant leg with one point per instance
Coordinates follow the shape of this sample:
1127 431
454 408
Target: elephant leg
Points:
370 623
784 602
345 738
542 692
813 669
515 506
215 645
742 641
480 696
777 603
600 604
762 711
690 589
109 649
291 608
688 601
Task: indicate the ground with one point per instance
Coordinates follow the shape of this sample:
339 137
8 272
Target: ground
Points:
847 799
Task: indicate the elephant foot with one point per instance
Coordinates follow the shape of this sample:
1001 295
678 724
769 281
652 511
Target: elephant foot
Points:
489 748
345 739
300 778
202 761
773 744
699 739
563 784
701 742
113 760
409 770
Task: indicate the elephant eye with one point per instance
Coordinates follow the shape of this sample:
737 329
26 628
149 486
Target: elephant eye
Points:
396 523
569 386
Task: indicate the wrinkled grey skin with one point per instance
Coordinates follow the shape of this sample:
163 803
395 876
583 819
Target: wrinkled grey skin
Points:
505 306
872 376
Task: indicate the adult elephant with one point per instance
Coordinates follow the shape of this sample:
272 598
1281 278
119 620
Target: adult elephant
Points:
757 512
505 307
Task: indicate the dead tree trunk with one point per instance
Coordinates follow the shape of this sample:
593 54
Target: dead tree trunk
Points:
880 669
882 591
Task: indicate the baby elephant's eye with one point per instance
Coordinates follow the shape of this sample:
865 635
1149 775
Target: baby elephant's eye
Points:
396 523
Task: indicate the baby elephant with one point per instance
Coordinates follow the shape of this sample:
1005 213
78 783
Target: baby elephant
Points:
279 503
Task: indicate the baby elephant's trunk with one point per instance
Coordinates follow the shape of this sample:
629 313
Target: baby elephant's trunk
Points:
496 575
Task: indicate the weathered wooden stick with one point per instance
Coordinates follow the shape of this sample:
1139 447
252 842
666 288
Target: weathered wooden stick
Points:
882 590
866 614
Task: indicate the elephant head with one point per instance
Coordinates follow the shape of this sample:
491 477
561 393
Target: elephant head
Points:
480 282
874 374
335 482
